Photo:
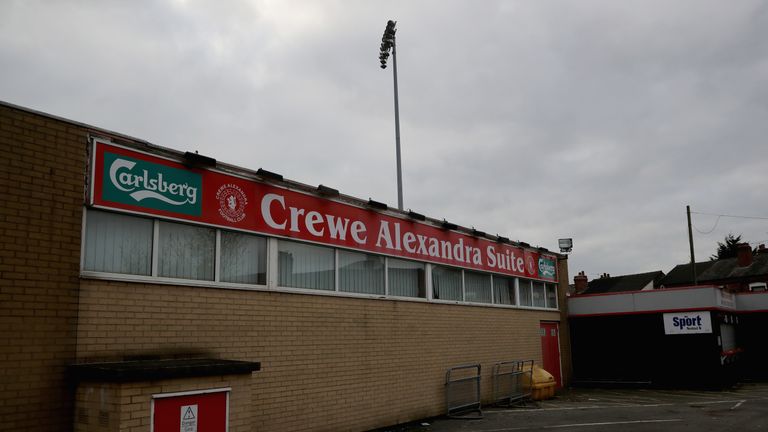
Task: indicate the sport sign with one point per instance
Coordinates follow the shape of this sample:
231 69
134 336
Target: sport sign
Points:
687 323
129 180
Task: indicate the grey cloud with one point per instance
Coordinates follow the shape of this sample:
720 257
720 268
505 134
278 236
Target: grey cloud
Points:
598 120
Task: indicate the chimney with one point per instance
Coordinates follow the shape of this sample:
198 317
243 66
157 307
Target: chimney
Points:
580 282
761 249
743 255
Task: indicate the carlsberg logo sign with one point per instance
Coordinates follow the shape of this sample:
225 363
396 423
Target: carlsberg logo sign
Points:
546 267
146 184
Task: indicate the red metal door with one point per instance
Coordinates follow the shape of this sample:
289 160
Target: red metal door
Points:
550 349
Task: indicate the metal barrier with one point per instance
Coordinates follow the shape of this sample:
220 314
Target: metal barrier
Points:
509 381
462 391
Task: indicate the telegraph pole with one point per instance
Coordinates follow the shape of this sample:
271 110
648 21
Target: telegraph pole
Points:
690 242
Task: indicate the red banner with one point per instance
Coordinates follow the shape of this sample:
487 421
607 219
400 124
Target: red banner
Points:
138 182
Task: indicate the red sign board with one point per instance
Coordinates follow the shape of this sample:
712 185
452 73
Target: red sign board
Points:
126 179
201 412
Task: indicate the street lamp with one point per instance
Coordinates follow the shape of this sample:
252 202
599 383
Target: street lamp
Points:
387 42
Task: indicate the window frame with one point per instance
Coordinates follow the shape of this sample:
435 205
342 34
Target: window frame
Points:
272 270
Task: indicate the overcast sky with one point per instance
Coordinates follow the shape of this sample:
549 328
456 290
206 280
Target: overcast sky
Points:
537 120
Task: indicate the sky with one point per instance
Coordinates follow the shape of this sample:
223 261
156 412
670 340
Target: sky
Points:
597 120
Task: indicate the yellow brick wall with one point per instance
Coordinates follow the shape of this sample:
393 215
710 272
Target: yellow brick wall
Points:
328 363
42 163
97 407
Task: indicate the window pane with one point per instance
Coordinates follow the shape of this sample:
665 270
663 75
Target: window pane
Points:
525 293
477 287
118 243
552 296
305 266
446 283
538 295
186 252
361 273
504 290
406 278
243 258
728 336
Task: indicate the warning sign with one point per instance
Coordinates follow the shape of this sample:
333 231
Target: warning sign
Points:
188 418
204 411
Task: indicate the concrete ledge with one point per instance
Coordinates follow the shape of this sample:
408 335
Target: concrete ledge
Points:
148 370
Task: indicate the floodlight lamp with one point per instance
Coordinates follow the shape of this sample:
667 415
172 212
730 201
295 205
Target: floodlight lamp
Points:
449 226
327 191
196 160
565 244
269 175
377 204
390 27
418 216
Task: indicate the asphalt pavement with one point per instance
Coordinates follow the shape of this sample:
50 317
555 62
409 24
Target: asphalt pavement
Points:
743 408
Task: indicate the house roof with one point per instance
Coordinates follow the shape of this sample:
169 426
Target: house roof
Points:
723 270
681 274
633 282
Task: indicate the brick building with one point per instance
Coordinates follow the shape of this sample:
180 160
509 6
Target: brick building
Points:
136 277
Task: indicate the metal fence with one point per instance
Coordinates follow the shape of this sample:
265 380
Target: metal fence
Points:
512 381
462 391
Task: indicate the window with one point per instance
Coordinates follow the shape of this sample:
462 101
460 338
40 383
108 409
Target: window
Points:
127 244
525 293
539 296
305 266
552 296
361 273
477 287
406 278
446 283
243 258
116 243
186 251
728 336
504 290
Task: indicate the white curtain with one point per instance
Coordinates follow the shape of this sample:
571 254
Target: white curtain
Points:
406 278
539 295
186 251
552 296
525 293
243 258
504 290
116 243
477 287
446 283
361 273
305 266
